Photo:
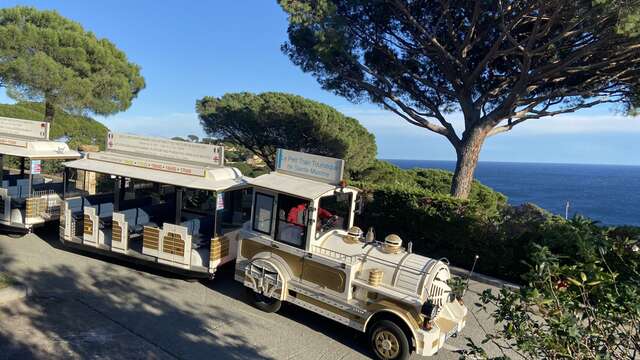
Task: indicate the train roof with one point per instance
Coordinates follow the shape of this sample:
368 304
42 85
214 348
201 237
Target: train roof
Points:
38 149
216 179
304 175
190 165
30 139
292 185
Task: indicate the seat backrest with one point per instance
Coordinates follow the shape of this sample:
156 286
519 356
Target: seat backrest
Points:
12 191
130 215
105 209
74 204
142 217
23 187
188 224
199 225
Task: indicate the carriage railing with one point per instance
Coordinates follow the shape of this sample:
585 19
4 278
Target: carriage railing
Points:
336 255
44 203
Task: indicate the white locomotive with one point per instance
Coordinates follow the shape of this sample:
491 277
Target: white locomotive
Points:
301 246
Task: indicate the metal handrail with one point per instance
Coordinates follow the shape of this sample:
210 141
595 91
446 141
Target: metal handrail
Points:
333 254
46 204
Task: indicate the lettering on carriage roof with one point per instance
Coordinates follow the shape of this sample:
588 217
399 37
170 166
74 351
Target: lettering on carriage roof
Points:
207 155
163 165
310 166
38 130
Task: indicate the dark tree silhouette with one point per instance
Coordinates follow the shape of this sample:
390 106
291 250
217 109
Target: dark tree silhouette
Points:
498 62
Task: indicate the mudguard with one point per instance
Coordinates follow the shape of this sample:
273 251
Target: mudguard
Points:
266 277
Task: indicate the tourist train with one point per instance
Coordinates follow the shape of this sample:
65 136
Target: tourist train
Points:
291 234
28 197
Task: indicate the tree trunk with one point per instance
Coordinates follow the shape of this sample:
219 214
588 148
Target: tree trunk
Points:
468 152
49 111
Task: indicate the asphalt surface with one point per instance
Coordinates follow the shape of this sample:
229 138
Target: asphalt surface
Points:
88 306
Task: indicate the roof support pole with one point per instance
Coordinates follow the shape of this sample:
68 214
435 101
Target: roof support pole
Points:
179 193
116 193
30 183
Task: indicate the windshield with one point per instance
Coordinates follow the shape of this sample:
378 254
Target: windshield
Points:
333 212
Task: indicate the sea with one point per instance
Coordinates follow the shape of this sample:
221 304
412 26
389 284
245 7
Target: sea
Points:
609 194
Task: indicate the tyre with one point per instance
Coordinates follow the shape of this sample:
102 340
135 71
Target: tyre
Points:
264 303
16 235
388 341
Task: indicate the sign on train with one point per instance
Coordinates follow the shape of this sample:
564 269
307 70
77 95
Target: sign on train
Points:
36 167
310 166
24 128
168 149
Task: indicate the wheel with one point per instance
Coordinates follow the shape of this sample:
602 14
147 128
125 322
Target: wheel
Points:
264 303
16 235
388 341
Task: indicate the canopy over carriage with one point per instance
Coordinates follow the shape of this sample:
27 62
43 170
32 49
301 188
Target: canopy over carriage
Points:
28 197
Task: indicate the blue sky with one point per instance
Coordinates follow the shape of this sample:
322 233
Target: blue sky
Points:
190 49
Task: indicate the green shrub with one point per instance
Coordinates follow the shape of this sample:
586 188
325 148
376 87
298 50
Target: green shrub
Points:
442 226
435 181
439 225
580 301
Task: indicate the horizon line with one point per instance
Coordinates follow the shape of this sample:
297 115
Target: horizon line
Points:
517 162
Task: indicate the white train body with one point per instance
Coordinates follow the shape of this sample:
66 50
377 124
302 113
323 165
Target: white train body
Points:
28 197
335 272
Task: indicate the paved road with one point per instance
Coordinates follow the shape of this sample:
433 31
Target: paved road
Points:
87 306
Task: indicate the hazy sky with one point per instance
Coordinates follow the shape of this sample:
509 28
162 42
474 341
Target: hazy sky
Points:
190 49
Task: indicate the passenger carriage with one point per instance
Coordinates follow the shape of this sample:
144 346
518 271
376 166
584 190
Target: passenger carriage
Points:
28 196
301 247
154 200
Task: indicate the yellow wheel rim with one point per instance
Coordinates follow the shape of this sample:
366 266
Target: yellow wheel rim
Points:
386 344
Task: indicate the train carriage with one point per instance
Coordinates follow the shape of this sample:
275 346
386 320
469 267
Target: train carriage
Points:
158 201
28 196
291 233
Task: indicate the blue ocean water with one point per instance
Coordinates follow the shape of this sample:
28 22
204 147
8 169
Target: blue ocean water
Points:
607 193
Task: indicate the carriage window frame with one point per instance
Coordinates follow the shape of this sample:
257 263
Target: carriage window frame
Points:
255 214
305 226
348 212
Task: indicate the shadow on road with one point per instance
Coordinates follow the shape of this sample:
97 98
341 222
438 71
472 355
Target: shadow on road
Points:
129 317
224 284
112 315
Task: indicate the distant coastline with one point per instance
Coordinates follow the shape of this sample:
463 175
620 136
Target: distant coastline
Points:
607 193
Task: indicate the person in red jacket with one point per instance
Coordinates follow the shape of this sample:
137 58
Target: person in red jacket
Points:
296 214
